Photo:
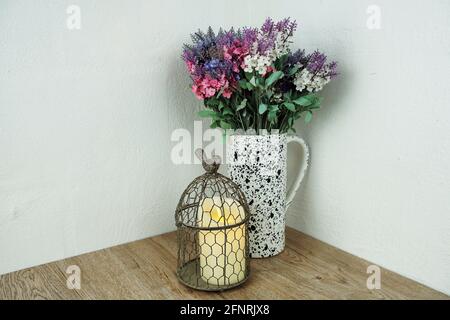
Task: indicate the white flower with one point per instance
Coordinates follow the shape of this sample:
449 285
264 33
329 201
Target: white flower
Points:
250 63
281 45
303 79
311 82
257 62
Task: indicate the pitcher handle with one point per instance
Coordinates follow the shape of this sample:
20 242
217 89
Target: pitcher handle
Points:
302 170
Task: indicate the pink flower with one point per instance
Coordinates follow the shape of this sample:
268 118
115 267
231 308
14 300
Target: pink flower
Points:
214 83
190 66
268 70
235 67
226 54
227 93
209 92
235 52
223 82
208 87
238 51
197 92
205 82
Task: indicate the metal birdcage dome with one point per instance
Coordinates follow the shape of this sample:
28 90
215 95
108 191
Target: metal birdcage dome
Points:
211 219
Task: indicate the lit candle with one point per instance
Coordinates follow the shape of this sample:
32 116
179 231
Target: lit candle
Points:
222 252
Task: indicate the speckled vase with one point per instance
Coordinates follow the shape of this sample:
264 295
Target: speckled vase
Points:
257 163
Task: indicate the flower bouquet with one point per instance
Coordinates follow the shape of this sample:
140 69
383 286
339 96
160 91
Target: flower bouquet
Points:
250 79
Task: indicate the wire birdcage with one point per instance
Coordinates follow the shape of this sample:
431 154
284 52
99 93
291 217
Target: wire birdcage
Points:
211 219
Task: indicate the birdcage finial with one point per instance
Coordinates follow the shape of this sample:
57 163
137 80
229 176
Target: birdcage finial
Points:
210 165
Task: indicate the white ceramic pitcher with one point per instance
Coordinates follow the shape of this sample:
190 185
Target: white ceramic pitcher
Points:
258 164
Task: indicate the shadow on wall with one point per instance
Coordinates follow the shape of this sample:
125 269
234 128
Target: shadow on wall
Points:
179 98
303 209
182 112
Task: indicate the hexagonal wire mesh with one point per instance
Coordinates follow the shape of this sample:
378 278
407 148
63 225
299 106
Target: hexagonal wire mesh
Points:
211 219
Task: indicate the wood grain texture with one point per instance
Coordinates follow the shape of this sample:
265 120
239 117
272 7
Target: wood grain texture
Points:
145 269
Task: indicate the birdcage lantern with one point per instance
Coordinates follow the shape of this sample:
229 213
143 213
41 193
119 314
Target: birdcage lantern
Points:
211 219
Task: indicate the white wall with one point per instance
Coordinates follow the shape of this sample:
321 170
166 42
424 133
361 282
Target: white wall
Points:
86 116
379 181
85 119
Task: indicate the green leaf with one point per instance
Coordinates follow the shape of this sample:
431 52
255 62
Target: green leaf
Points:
206 113
227 111
242 105
316 103
287 95
308 117
272 116
221 105
253 81
293 70
249 86
291 121
243 83
248 75
274 107
279 63
289 106
284 58
261 82
225 125
274 77
262 108
217 116
303 101
214 125
212 102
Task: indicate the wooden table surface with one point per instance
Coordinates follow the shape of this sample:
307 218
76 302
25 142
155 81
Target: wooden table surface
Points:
145 269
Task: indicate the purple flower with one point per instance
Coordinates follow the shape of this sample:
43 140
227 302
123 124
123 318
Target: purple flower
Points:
268 26
297 57
268 36
332 66
226 38
287 26
270 30
316 62
249 37
212 64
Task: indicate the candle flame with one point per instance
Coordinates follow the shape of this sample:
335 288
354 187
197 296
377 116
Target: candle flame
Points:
226 213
